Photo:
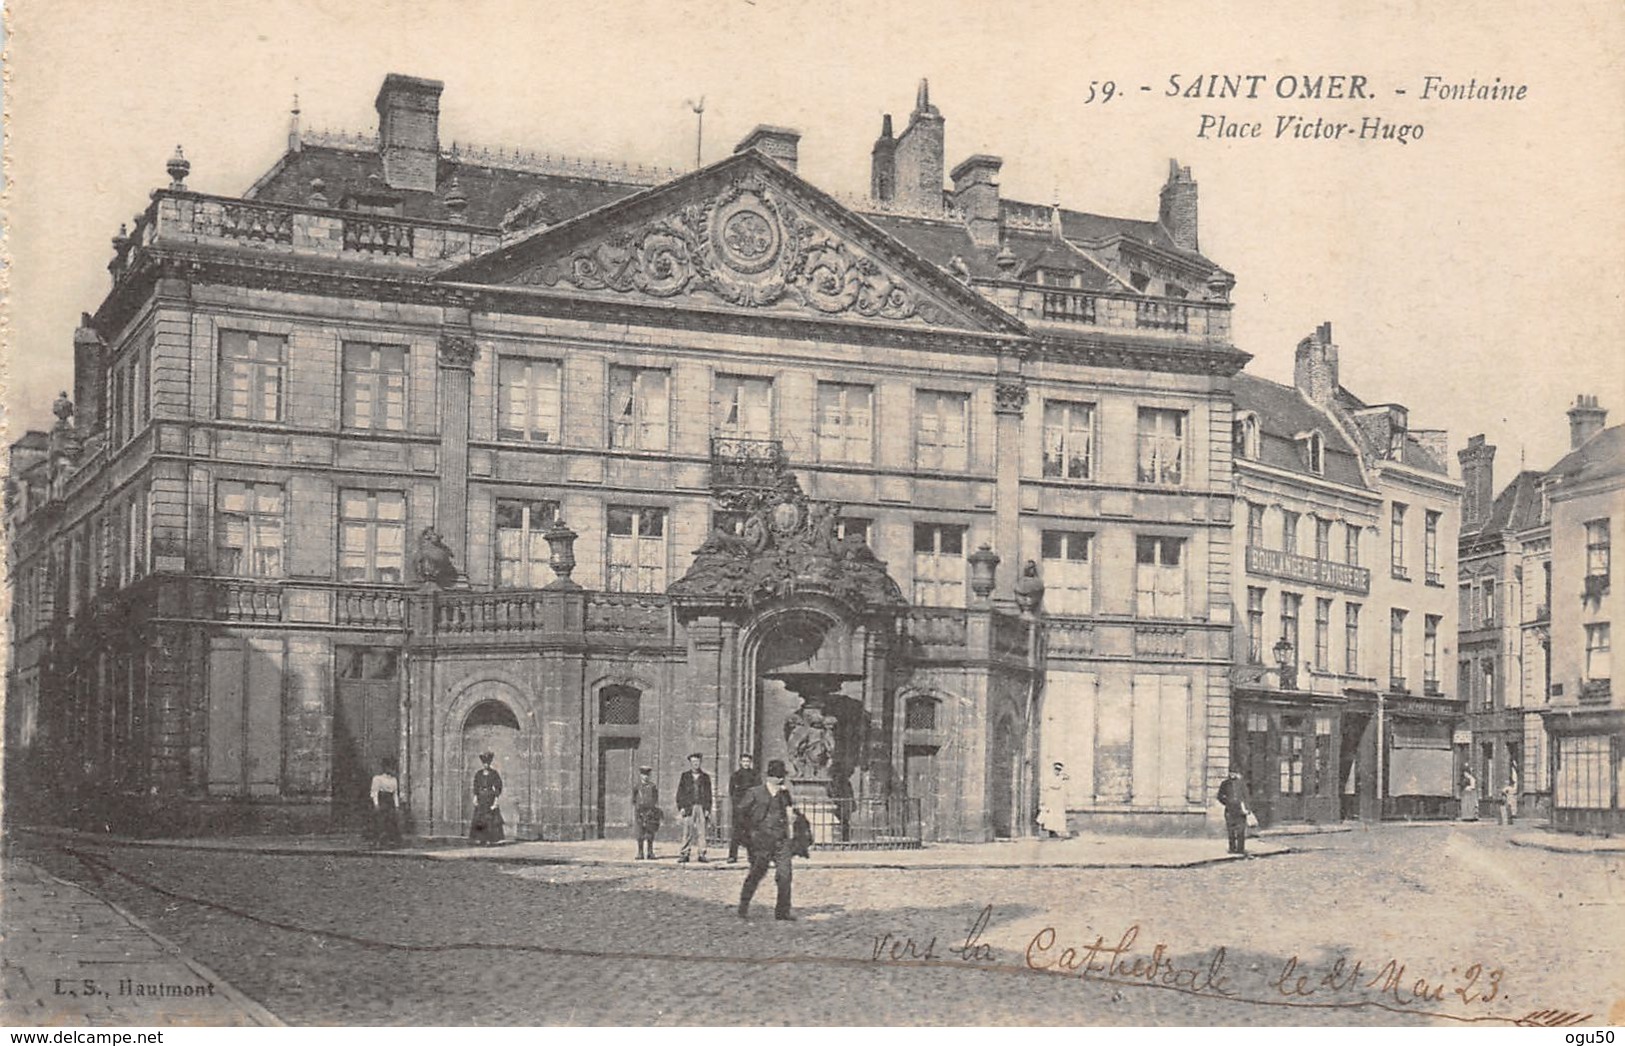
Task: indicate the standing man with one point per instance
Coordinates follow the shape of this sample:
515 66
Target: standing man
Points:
769 815
1233 796
742 781
694 807
646 812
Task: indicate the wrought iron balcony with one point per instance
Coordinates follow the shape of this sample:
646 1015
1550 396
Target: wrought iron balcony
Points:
1272 562
1596 691
748 463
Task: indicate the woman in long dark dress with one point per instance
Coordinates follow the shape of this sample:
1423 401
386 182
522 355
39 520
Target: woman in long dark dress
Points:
386 815
487 826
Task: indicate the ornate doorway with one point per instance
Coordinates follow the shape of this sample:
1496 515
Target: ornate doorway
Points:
491 726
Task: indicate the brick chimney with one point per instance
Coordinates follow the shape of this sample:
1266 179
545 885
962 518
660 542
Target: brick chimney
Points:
883 164
919 155
778 144
1478 477
976 192
1178 211
89 375
409 131
1314 369
1585 420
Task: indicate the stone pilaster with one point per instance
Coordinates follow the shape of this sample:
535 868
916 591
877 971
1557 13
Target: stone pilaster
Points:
1009 405
456 358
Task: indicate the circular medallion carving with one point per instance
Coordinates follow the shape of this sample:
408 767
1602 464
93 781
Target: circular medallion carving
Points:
747 237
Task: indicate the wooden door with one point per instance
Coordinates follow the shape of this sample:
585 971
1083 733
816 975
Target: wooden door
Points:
920 777
1001 791
366 726
617 773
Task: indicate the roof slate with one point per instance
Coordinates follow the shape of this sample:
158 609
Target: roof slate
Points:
1283 412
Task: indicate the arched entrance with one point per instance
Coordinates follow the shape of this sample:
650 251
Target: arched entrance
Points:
491 726
1001 779
807 704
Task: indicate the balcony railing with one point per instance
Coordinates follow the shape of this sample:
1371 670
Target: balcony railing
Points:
1596 691
1162 316
361 609
1067 307
1396 685
629 613
1290 566
1209 320
936 626
248 601
752 463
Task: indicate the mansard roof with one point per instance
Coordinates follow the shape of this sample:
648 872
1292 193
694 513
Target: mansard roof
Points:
1515 508
1284 414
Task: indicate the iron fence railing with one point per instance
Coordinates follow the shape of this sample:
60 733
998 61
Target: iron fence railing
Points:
843 824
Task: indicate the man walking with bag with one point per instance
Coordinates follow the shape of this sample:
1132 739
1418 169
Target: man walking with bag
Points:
694 806
769 814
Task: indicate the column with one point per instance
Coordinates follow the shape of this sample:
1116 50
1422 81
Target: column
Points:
456 357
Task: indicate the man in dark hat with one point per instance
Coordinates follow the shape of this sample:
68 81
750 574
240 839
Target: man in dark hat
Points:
743 780
694 806
646 812
768 813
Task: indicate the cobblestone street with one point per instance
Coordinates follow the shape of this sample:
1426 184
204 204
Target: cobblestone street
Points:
1494 931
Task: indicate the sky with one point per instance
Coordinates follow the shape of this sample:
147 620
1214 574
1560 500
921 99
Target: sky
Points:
1472 274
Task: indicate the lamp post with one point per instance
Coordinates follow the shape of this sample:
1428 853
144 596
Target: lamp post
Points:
1284 652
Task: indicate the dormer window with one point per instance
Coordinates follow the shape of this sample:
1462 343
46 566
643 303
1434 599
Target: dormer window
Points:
1139 281
1174 290
1312 450
1245 436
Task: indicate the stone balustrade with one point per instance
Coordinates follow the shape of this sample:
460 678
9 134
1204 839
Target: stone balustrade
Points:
1207 320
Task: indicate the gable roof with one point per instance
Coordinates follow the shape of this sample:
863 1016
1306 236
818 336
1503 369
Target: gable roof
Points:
1515 508
1283 412
1601 455
584 249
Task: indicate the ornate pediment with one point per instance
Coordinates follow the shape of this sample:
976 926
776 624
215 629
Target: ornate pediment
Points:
743 234
787 545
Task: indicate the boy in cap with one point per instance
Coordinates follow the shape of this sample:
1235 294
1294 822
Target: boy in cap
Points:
646 812
769 817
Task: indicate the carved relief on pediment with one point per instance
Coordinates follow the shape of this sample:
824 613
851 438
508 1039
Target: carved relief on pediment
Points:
748 247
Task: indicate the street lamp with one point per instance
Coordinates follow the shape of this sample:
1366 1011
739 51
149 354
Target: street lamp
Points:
1284 651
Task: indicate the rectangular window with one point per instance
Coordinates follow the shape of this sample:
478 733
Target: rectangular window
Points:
639 408
1396 546
1396 649
1430 651
1598 652
530 400
1323 539
939 565
1323 635
1255 525
854 528
248 530
1464 606
372 535
1159 576
1289 532
375 387
845 422
1464 680
1431 547
135 539
1068 574
1599 554
522 552
637 549
1351 545
1489 602
1255 626
1585 774
1291 763
1291 610
1489 686
941 430
252 367
1351 638
742 407
1069 437
1162 446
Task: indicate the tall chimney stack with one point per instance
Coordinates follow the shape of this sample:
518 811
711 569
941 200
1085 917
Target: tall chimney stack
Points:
883 164
976 193
1478 479
779 144
409 131
1585 420
920 155
1177 213
1314 369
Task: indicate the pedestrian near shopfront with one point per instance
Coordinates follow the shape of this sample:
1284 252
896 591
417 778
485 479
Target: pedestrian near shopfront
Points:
486 829
694 807
769 815
386 815
740 782
1233 796
1469 796
646 812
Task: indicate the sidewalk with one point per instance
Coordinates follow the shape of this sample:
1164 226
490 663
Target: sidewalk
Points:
69 958
1085 851
1564 843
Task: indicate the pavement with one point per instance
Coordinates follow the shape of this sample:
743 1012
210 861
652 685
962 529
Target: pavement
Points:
1568 843
1097 850
70 957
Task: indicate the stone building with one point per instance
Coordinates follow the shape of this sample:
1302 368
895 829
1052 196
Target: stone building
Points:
1345 703
1536 626
410 452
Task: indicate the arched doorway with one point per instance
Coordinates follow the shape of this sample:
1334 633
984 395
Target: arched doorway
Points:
808 707
1001 779
491 726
